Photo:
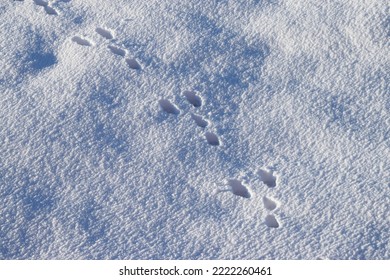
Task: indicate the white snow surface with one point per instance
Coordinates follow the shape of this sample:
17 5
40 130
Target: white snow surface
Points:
167 129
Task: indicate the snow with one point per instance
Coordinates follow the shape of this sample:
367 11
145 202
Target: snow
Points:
194 129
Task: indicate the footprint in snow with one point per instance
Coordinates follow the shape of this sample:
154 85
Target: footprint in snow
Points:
269 203
267 177
132 63
117 50
193 98
48 9
271 221
168 107
41 3
82 41
212 138
105 33
238 188
196 101
199 120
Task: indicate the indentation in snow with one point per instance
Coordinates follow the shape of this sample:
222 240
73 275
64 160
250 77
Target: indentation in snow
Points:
267 178
271 221
269 204
107 34
117 50
168 107
199 120
50 10
194 99
41 3
238 188
212 139
81 41
133 63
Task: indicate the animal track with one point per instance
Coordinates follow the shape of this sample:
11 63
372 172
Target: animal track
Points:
48 9
267 178
195 100
212 139
104 33
271 221
133 63
109 35
199 120
41 3
269 204
81 41
116 50
168 107
238 188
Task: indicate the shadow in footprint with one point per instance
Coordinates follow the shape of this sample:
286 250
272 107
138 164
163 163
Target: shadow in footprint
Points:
238 188
212 139
50 10
116 50
271 221
195 100
199 120
168 107
269 204
41 3
267 178
81 41
133 63
104 33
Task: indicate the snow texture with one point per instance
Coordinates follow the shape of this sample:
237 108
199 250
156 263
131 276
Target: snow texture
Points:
187 129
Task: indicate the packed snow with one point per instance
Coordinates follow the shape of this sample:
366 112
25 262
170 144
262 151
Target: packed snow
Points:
222 129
